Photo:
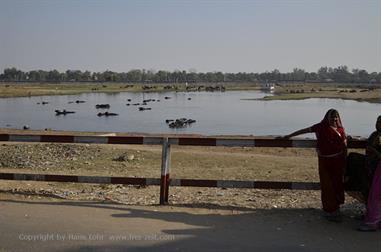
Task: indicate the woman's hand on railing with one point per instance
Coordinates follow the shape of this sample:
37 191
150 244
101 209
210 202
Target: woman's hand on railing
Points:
285 137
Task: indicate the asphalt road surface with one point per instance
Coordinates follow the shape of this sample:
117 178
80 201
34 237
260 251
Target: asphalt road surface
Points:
47 224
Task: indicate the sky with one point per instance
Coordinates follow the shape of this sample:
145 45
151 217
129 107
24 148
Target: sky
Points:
202 36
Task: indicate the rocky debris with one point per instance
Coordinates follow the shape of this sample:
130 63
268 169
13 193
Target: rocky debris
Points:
234 199
132 161
44 155
124 157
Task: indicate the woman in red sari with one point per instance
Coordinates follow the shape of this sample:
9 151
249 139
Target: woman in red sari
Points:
332 152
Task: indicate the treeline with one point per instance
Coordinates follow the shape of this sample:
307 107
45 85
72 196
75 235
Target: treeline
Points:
339 74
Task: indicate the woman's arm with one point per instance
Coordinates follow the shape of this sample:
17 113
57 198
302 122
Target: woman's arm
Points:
298 132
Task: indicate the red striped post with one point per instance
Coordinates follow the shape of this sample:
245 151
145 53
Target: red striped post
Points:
165 161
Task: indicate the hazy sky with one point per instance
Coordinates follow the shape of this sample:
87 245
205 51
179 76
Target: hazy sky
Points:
227 36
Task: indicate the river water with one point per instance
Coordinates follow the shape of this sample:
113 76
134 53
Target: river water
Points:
216 113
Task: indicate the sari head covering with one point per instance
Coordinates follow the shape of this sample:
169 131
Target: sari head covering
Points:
330 140
330 113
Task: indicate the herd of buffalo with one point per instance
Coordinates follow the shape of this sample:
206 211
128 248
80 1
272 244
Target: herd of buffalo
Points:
172 123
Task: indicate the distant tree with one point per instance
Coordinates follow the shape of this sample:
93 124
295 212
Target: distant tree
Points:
341 74
149 76
312 76
161 77
13 74
74 75
134 75
109 76
355 75
275 75
299 74
86 76
42 75
98 77
192 77
378 78
54 76
373 77
33 76
323 74
364 76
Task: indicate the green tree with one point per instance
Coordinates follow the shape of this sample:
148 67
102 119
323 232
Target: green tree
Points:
134 75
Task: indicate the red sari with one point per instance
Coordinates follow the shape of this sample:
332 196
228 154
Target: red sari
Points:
331 148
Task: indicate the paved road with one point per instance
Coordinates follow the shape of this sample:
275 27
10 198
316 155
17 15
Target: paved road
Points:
57 225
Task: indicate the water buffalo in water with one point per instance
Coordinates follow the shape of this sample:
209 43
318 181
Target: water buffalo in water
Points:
43 102
102 106
63 112
179 123
107 114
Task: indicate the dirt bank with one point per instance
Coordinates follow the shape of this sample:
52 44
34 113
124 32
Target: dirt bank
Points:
238 163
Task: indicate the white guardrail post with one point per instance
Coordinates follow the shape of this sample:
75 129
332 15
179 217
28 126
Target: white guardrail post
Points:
165 162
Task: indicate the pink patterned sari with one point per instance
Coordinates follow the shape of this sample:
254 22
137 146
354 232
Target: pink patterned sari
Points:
373 208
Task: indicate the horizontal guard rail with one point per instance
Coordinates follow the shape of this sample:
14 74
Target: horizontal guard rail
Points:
195 141
166 142
156 181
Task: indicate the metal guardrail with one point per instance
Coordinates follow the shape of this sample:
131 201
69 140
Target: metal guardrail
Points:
166 143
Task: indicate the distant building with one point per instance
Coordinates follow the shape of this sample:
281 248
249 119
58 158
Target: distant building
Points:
269 87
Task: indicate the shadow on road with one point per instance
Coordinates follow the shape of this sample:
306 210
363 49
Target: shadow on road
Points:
209 227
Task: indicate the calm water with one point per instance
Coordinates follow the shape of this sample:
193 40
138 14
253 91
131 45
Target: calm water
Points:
216 113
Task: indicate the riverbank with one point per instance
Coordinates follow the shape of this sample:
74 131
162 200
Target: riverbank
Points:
297 91
38 89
